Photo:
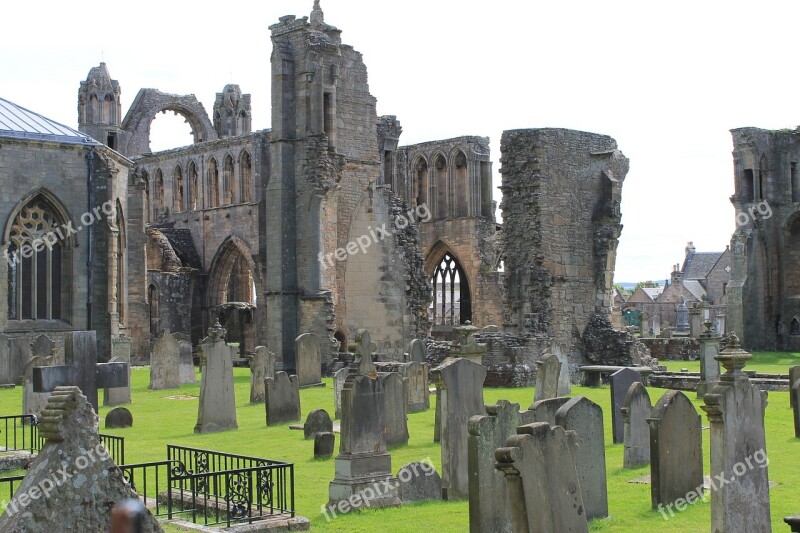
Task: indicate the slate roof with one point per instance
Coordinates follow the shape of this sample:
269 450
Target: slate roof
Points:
19 123
653 292
694 287
698 265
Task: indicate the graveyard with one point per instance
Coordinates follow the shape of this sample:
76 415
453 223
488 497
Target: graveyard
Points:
167 416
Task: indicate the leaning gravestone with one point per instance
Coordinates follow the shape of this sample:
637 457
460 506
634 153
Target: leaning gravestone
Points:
119 417
676 449
363 462
165 361
338 383
186 366
735 409
258 373
488 489
217 409
282 399
416 351
459 386
586 418
309 360
317 421
621 381
545 410
395 417
543 482
120 353
419 482
44 504
635 411
547 372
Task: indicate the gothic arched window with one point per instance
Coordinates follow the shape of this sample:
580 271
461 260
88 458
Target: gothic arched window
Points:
452 304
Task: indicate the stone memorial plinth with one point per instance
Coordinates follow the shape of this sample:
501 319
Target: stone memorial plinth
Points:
217 408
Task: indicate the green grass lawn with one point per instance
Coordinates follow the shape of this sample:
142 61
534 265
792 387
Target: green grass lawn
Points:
159 421
764 362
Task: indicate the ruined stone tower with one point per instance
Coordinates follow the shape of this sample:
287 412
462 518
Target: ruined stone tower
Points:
99 108
232 115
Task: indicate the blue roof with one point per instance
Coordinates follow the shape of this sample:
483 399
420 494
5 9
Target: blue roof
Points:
20 123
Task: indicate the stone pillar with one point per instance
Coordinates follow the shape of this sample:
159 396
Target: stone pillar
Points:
709 366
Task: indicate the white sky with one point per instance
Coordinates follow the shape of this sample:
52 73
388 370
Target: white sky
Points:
667 80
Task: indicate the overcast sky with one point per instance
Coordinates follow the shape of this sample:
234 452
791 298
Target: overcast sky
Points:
666 80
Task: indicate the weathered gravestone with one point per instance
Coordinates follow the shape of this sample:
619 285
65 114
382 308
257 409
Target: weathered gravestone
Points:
258 373
338 383
119 417
621 381
709 366
488 489
82 503
120 353
43 355
165 360
419 481
564 382
5 361
416 351
395 419
636 409
19 353
309 360
794 375
323 444
586 418
317 421
794 392
676 449
543 487
282 399
459 394
735 409
217 409
545 410
547 372
186 366
81 369
363 462
418 394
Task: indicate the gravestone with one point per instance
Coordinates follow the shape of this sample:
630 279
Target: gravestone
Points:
119 417
620 381
309 360
545 410
418 394
539 464
636 409
419 482
564 383
363 462
794 375
676 449
19 353
120 353
186 372
43 355
416 351
217 409
735 409
656 325
81 369
395 417
459 394
794 392
709 366
5 361
338 383
258 373
282 399
165 359
488 489
317 421
83 502
586 418
324 444
547 373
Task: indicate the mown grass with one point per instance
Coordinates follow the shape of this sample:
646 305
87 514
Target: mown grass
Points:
159 421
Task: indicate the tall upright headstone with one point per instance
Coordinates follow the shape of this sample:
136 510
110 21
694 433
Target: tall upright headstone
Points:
682 317
548 371
419 398
258 373
564 382
363 462
186 372
636 409
309 360
794 375
395 419
676 449
709 366
543 488
19 353
459 385
217 409
165 359
735 409
339 378
656 320
120 353
586 418
794 392
621 381
282 399
488 490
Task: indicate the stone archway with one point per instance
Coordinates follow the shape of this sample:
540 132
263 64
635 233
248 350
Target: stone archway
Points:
143 111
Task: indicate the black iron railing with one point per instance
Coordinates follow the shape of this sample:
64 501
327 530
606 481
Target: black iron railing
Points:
19 433
150 481
115 446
